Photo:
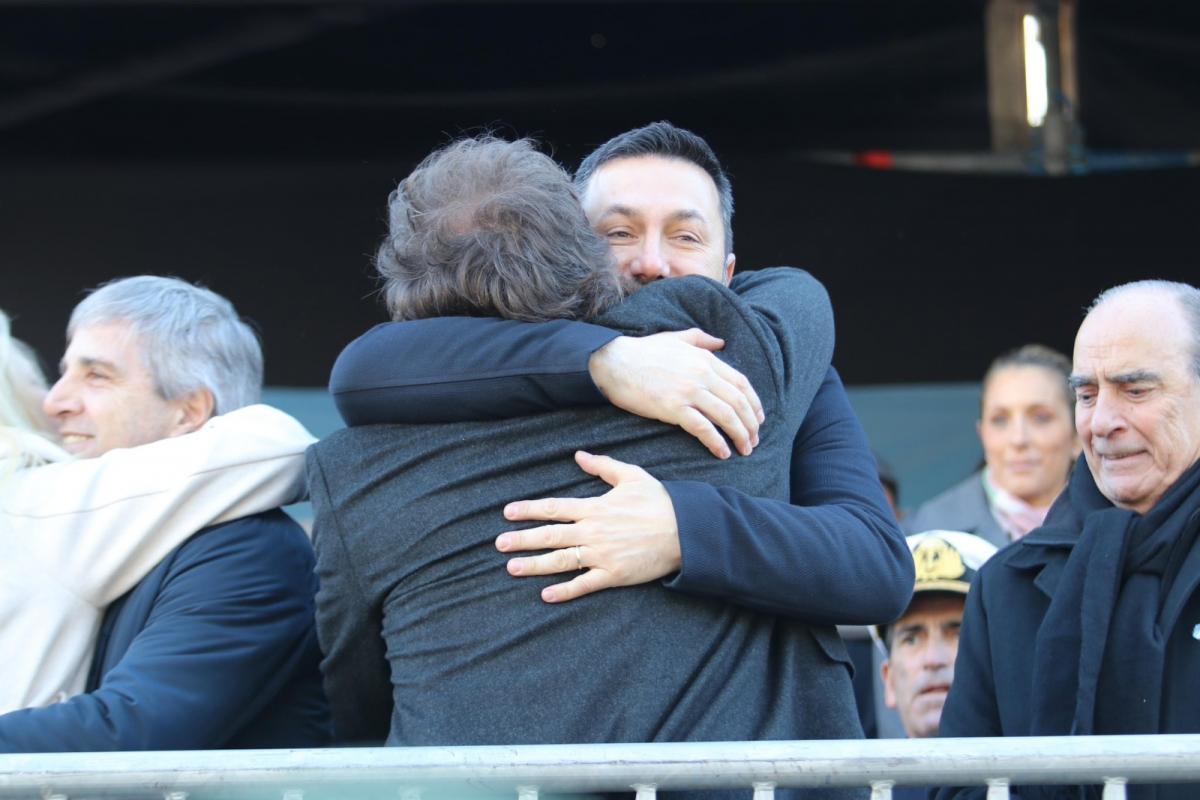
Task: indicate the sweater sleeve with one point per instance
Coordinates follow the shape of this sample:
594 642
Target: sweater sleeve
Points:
833 555
103 523
230 627
453 369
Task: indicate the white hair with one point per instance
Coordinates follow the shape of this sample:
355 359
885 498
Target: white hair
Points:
1188 297
190 337
22 387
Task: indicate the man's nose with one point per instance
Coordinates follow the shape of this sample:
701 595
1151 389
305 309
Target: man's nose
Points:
650 263
60 400
939 652
1106 416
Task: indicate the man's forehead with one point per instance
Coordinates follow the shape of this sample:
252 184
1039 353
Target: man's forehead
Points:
1128 337
638 182
112 342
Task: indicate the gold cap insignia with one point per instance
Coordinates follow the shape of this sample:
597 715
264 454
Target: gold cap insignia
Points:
939 565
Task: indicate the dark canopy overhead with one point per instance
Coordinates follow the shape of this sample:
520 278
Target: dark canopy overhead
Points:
231 141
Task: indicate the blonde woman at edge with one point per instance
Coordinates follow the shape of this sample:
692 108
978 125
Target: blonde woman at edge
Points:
77 534
1027 428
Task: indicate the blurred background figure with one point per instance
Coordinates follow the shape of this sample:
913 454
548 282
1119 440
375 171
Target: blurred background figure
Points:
25 430
890 483
1027 430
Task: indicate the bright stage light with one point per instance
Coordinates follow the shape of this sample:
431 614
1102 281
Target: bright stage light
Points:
1036 95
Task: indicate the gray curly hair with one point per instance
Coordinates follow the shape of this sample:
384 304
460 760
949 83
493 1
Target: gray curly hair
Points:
486 227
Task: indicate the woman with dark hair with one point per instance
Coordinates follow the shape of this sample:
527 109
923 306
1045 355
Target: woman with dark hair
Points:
1027 430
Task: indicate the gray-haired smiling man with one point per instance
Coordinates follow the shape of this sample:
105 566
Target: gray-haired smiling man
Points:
1118 551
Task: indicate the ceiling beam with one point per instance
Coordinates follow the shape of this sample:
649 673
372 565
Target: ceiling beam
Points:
259 35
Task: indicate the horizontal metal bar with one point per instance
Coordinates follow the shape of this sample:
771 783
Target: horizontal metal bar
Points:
606 767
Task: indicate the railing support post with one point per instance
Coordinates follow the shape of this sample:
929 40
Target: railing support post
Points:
881 790
764 791
1114 789
997 789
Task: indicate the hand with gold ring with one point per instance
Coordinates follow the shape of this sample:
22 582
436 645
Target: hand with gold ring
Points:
629 532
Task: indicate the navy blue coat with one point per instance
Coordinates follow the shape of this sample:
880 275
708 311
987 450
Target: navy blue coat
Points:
215 648
992 693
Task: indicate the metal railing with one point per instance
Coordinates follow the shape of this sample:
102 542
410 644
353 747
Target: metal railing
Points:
418 773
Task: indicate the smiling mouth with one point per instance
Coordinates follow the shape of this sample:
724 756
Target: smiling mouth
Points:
69 439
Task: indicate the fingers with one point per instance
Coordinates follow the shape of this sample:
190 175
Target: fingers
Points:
698 425
608 469
743 388
557 509
591 581
551 563
542 538
729 418
698 338
724 396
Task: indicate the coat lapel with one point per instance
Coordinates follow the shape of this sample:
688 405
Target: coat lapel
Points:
1184 585
1045 549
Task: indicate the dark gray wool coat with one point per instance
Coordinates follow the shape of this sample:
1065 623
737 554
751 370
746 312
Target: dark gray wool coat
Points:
428 639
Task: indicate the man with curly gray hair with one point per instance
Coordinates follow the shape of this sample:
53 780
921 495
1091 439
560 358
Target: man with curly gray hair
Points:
489 228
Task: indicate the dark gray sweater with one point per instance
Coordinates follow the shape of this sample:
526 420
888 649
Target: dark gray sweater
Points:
426 635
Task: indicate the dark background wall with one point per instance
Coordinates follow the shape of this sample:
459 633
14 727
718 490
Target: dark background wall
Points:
930 275
252 147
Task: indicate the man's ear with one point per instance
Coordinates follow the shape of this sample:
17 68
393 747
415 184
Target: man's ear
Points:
889 696
193 410
730 260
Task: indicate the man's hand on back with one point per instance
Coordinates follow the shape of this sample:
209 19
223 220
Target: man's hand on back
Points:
675 378
624 537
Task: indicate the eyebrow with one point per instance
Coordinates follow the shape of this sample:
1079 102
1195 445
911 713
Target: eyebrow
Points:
685 214
90 361
1121 379
1136 376
617 209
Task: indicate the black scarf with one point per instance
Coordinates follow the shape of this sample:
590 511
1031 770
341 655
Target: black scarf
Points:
1100 651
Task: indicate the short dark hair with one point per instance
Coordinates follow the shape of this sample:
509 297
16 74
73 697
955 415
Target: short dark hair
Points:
666 140
487 227
1035 355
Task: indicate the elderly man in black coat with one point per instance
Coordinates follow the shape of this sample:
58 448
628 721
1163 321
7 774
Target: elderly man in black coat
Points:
1089 625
